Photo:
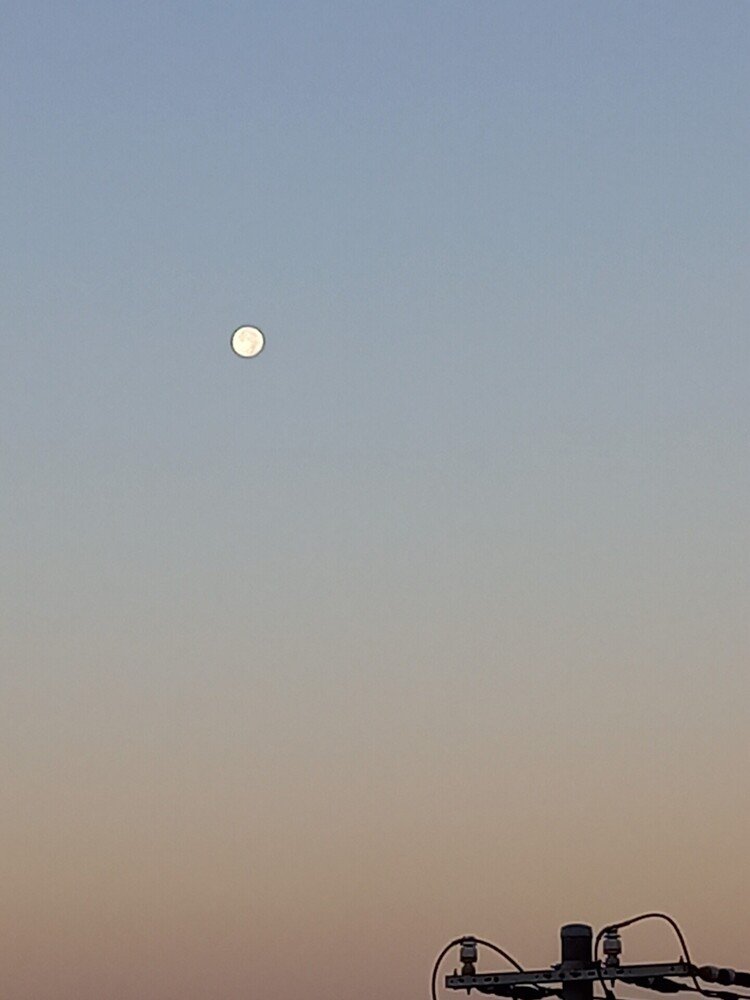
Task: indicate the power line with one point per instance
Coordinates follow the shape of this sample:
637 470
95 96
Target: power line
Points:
580 968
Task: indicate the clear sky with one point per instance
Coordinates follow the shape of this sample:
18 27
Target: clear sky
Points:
432 618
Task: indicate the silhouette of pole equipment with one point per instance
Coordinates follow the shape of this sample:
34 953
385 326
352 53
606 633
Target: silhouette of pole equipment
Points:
580 968
575 951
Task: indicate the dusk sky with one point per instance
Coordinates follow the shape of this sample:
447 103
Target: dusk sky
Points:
433 617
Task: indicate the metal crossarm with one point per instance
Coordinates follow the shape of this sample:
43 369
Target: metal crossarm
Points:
581 968
506 980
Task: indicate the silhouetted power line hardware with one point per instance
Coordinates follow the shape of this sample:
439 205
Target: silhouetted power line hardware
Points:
579 968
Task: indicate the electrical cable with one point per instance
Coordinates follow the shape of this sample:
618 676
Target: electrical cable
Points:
457 941
721 994
503 954
634 920
665 985
615 998
532 991
608 993
436 966
672 986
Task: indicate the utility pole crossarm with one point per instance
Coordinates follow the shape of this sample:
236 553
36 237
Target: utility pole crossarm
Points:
580 969
543 977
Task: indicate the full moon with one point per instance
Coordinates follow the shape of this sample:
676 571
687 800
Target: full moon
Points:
247 341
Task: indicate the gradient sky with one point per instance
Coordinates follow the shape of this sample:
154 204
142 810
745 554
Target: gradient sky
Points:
432 619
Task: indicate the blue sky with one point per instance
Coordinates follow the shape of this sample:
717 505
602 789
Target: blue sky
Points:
492 462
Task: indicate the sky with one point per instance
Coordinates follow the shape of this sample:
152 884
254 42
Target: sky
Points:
432 618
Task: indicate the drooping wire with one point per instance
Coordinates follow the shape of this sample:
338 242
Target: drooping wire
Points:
436 966
525 991
613 997
503 954
720 994
608 992
634 920
457 941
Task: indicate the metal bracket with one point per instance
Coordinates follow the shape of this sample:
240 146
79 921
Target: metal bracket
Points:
631 973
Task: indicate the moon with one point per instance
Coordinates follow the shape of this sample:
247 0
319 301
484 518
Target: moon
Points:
247 341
